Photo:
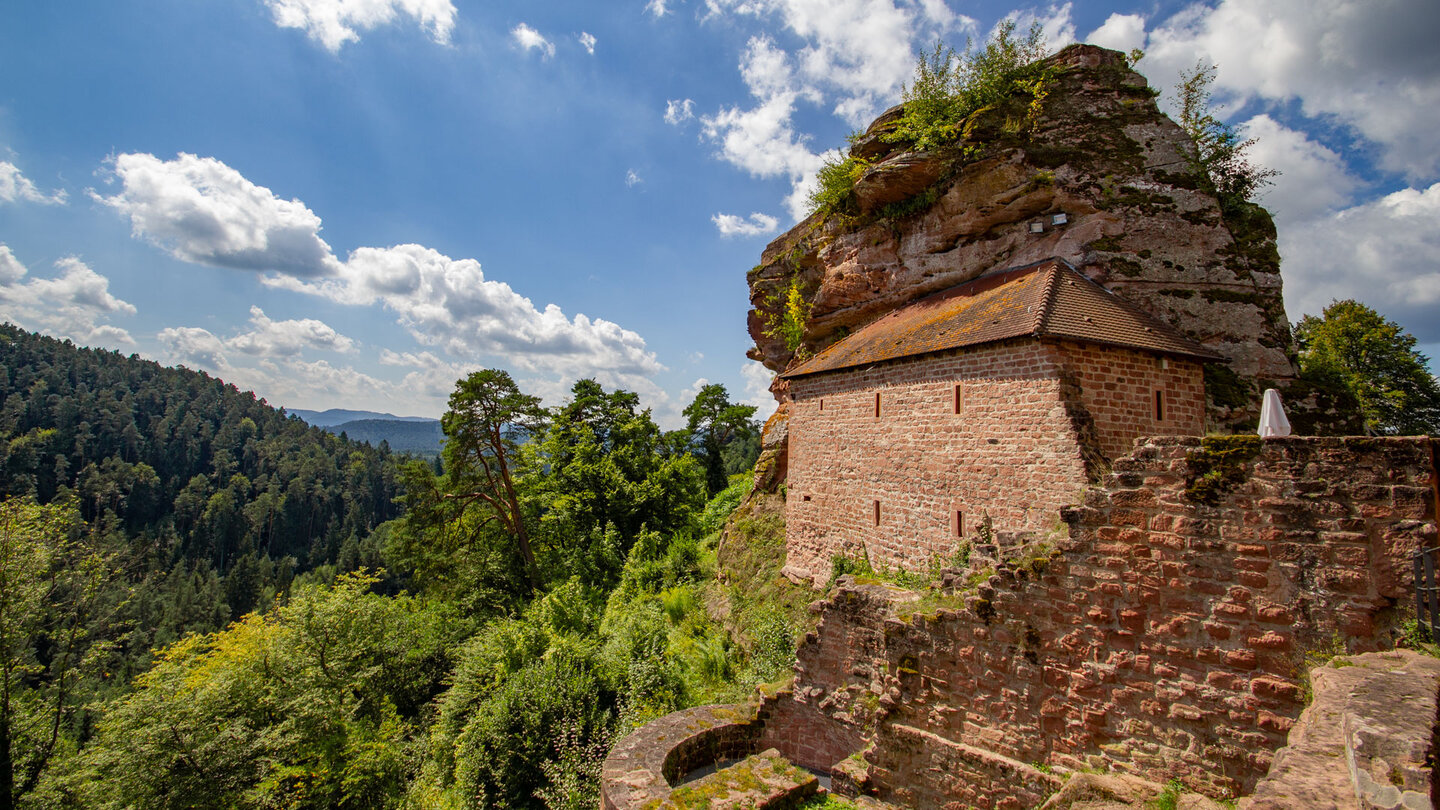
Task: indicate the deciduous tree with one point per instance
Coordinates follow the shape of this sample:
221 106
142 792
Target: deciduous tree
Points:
51 579
1377 361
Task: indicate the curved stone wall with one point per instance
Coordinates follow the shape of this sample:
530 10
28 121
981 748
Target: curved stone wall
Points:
645 766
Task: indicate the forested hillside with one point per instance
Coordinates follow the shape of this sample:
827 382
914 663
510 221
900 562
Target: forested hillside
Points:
412 437
204 603
189 468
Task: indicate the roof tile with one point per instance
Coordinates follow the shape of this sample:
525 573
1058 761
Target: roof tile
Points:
1049 299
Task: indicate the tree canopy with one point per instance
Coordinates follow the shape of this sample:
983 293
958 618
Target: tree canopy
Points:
1376 360
714 421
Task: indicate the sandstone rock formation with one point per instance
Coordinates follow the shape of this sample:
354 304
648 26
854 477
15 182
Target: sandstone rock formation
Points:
1137 217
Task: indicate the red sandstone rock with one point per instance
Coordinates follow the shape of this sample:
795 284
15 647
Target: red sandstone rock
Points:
1102 154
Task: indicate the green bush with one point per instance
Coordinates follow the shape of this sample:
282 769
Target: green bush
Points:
836 183
950 87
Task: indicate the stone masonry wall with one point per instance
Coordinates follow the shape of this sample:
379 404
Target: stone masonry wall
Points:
1164 637
1118 387
902 487
1013 452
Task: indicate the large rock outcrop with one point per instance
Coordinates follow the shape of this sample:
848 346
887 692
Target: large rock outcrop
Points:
1138 217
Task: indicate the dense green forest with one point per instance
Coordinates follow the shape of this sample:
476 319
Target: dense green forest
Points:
204 603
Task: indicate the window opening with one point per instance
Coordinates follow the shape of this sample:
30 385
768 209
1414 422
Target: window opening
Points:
959 398
877 513
1159 406
959 523
877 404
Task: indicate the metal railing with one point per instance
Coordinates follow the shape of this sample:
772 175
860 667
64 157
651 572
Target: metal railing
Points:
1427 594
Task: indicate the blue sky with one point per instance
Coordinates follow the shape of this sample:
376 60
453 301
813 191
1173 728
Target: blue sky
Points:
350 203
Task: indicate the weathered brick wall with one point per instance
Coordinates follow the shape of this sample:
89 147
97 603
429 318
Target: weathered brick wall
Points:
1012 453
1118 387
1031 414
1165 637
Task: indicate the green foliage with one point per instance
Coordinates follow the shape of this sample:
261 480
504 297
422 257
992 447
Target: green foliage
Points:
791 316
492 737
188 467
318 703
1169 798
1415 635
52 580
1219 152
502 684
719 507
713 422
836 184
948 87
861 568
1218 466
487 419
1325 652
1355 347
829 801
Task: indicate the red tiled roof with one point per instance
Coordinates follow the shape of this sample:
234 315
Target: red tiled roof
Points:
1049 299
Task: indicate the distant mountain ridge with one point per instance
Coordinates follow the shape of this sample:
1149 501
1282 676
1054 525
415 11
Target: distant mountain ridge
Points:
417 437
339 416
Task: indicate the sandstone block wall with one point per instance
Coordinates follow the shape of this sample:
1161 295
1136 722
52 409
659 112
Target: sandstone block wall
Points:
1013 452
1166 637
1118 388
884 463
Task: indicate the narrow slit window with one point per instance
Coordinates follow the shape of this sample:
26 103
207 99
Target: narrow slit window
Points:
822 403
959 398
877 513
959 523
877 404
1159 406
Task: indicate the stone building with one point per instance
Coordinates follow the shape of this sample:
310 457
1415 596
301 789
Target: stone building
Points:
996 400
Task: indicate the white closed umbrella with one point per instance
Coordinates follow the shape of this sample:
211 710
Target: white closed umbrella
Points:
1272 416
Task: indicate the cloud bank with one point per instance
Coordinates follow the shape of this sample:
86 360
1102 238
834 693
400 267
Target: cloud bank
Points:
332 23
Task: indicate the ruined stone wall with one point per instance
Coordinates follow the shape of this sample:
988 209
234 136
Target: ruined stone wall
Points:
1012 444
1165 637
1118 387
1013 452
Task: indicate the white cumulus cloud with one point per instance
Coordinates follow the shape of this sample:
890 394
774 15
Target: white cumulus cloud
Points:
194 346
11 270
450 304
757 225
1381 252
657 7
1370 65
1121 32
678 111
587 41
76 303
288 338
1313 178
632 179
332 23
531 40
757 389
16 187
852 59
203 211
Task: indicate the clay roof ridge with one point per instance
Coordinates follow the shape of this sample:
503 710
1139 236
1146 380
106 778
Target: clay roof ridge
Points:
1051 284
